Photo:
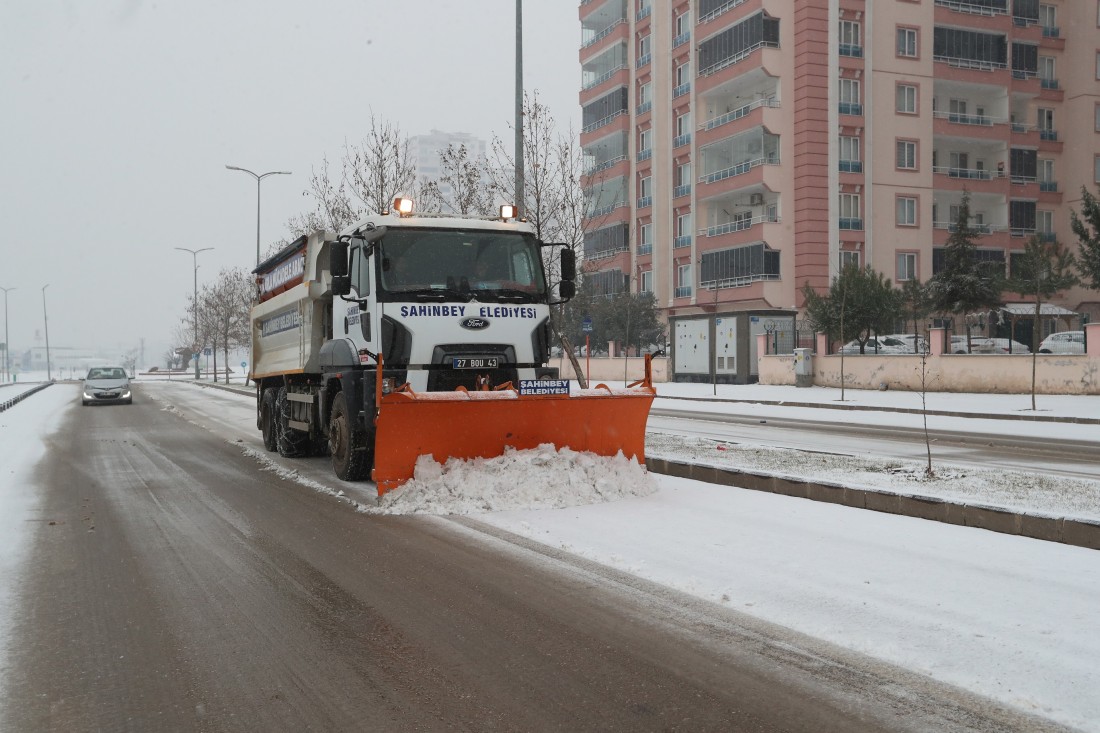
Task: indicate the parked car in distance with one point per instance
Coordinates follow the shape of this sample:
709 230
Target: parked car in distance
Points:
1063 342
1007 346
913 343
881 345
106 385
977 345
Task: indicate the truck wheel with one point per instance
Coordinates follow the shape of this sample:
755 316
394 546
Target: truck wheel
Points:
291 443
352 450
267 419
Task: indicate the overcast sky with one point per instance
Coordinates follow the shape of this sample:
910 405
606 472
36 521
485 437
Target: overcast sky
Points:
119 117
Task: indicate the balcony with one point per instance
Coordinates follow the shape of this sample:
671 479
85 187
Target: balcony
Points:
1048 135
851 166
736 58
963 6
681 241
1050 31
596 38
1050 83
961 119
605 121
1048 186
738 225
850 49
645 248
850 108
595 82
681 140
681 39
683 291
645 202
738 113
643 60
851 224
681 90
737 170
719 10
680 191
602 166
644 155
643 13
643 108
970 174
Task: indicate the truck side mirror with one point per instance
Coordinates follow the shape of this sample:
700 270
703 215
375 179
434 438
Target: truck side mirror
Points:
568 267
338 258
567 289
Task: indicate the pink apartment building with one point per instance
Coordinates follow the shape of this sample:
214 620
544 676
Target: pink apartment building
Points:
739 149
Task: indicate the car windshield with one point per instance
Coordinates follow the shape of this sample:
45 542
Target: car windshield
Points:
106 373
471 264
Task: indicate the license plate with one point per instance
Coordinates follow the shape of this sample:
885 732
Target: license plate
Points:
475 362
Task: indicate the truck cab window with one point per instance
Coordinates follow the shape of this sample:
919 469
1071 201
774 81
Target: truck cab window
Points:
360 272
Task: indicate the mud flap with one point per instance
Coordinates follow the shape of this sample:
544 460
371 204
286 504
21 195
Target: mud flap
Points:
482 424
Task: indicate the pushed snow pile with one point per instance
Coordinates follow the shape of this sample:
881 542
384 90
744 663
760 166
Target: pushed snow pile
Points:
542 478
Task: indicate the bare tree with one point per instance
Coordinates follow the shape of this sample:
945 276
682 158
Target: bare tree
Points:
333 209
462 186
381 167
227 305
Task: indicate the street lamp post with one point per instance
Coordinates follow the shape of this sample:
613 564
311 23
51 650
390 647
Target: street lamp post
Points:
7 342
259 177
46 325
195 303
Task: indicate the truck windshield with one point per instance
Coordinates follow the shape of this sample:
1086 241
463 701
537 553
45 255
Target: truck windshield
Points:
460 264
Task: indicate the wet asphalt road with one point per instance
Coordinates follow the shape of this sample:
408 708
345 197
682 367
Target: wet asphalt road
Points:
173 585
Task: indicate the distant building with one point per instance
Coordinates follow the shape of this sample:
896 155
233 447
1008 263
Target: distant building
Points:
426 150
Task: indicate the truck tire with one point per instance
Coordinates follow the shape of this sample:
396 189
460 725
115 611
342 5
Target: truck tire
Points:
352 450
292 443
267 420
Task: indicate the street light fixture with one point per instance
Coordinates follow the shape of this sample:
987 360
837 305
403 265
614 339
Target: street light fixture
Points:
195 303
7 342
259 177
46 325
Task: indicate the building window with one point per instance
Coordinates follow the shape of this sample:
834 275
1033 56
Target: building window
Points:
1048 16
1044 222
906 214
645 141
646 285
645 93
1097 115
849 147
683 24
907 266
645 187
645 46
683 124
850 212
850 97
906 99
848 258
645 239
907 42
683 74
1096 169
683 281
851 42
906 157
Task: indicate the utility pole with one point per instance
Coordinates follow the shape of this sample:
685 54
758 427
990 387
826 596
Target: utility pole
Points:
46 325
195 304
520 208
7 341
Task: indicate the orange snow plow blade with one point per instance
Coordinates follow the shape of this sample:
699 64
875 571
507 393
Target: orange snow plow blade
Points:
463 424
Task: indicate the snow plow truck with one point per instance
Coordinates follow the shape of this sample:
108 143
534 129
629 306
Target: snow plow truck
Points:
411 335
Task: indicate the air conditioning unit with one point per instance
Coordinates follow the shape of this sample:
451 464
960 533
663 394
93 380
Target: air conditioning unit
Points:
757 199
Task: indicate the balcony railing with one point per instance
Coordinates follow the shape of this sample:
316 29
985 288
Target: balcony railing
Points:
1020 128
739 281
643 60
683 190
1024 74
605 121
645 154
973 174
683 291
643 108
681 241
851 166
851 49
1049 83
609 163
965 7
738 225
952 226
961 119
645 202
605 210
850 223
737 170
719 10
1048 135
850 108
681 140
976 64
603 34
645 249
737 57
681 90
681 39
603 77
1048 186
643 13
1021 231
738 113
1050 31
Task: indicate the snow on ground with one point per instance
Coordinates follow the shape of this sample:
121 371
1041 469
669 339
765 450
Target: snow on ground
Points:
1008 617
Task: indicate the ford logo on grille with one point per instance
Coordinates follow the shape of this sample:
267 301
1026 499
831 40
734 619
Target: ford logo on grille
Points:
475 324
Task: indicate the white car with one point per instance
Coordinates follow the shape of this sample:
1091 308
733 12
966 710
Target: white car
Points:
1007 346
881 345
1063 342
977 345
912 342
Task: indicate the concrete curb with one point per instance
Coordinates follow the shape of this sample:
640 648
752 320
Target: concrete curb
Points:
22 396
1078 532
905 410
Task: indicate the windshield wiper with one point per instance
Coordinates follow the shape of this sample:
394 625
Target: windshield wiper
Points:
436 294
513 295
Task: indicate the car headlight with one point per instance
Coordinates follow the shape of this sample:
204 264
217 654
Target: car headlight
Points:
88 395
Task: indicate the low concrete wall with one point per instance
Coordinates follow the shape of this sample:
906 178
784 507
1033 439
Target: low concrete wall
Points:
1007 373
605 369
